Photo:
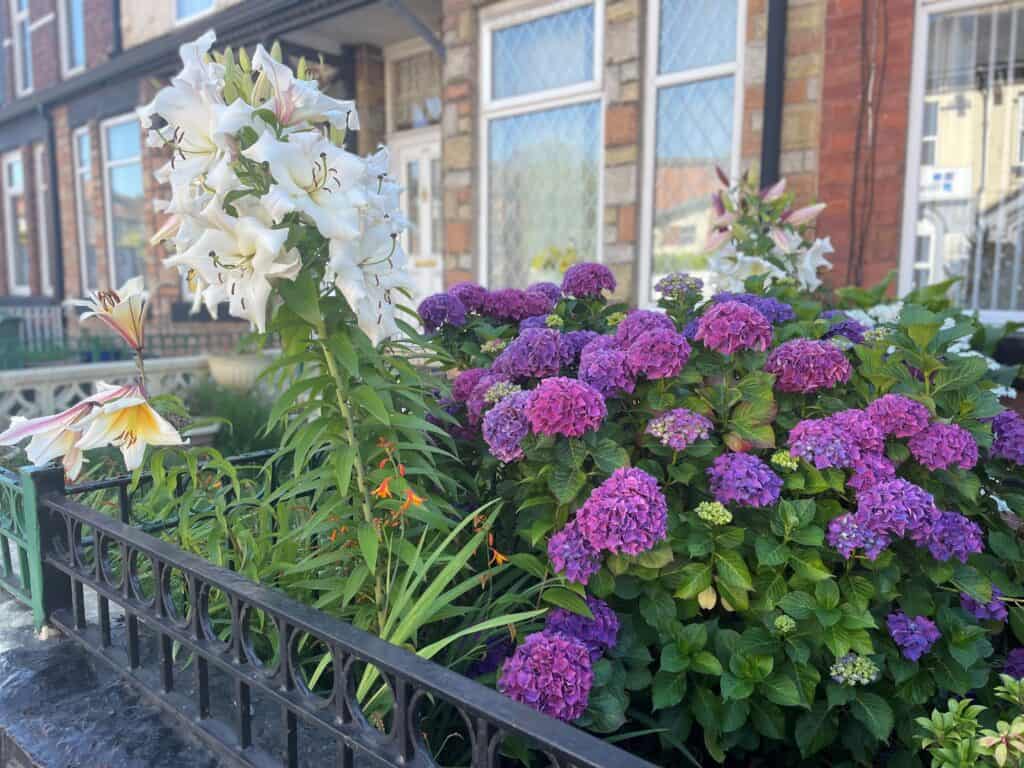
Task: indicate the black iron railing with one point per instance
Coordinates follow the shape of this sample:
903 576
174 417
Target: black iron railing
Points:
212 679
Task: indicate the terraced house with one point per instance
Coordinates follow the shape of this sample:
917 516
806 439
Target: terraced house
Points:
528 133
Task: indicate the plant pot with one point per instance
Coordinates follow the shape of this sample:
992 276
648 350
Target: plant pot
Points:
237 372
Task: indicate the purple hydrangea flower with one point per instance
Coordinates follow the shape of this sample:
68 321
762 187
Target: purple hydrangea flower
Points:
563 406
993 610
1015 663
840 440
732 326
743 478
534 354
512 305
679 285
849 533
441 309
640 321
941 446
626 513
805 365
497 650
471 295
537 321
870 471
844 326
915 635
898 507
774 311
552 291
465 382
1008 428
572 555
505 426
550 672
898 415
679 428
953 535
606 371
587 280
573 343
477 402
599 634
658 354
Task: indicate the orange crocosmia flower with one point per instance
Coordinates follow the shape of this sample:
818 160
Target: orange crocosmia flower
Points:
401 470
382 463
383 491
411 499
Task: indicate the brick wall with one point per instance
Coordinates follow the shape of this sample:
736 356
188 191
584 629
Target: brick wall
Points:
370 96
869 230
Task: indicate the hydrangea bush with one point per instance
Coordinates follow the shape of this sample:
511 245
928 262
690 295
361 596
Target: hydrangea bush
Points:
776 531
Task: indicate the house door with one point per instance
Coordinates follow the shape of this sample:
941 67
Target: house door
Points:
418 166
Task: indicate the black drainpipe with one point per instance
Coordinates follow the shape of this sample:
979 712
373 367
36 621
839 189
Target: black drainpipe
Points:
115 19
53 189
774 83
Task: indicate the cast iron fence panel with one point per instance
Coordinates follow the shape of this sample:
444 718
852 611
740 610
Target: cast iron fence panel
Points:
79 549
16 549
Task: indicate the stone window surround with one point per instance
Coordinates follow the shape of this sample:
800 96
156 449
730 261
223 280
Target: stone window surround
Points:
510 13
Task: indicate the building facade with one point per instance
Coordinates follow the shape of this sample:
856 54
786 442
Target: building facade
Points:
530 134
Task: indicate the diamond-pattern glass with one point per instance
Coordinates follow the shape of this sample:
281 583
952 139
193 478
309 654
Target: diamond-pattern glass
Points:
550 52
694 133
696 33
543 181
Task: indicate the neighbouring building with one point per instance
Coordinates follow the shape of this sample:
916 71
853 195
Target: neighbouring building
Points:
529 132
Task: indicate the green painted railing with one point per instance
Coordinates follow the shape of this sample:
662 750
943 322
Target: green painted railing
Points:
20 564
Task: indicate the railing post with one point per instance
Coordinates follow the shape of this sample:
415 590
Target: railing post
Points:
51 589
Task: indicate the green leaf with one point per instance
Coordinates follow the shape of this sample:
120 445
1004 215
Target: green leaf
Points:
827 594
302 297
706 663
731 569
564 598
341 347
368 398
609 455
814 730
973 582
808 565
343 461
658 557
875 713
368 544
667 690
781 689
658 609
693 579
1004 546
771 551
529 563
798 604
673 659
565 482
735 688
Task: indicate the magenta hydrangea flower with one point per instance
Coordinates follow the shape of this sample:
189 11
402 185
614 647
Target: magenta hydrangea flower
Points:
512 305
993 610
840 440
573 343
563 406
465 382
1008 428
679 428
550 672
742 478
849 533
505 426
535 354
626 513
658 354
733 326
915 635
953 535
898 415
441 309
1015 663
587 280
898 507
572 555
606 371
805 365
941 446
477 402
870 471
599 634
639 321
552 291
774 311
472 296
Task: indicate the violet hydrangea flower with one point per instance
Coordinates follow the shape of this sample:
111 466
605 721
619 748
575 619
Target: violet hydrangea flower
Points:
870 471
898 507
805 365
606 370
552 291
477 401
471 295
679 428
849 532
742 478
941 446
573 343
840 440
658 354
465 382
679 285
441 309
550 672
572 555
774 311
898 415
844 326
505 426
953 535
626 513
497 650
915 635
1015 663
639 321
537 321
563 406
599 634
587 280
993 610
1008 428
733 326
512 305
534 354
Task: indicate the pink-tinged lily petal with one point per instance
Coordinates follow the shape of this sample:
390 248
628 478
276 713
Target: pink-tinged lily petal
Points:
717 205
774 192
22 428
717 238
123 311
803 215
725 220
129 423
787 242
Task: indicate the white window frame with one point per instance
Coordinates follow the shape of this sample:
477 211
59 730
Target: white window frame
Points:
509 14
392 55
64 27
915 126
183 20
653 83
42 180
10 226
81 168
931 137
22 85
107 165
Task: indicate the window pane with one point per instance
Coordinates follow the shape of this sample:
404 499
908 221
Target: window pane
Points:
123 141
25 52
87 212
416 91
436 208
412 205
126 212
531 207
188 8
550 52
928 152
694 134
696 33
76 34
17 219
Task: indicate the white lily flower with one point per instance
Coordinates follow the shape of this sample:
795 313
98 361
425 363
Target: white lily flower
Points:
123 310
129 423
810 261
296 102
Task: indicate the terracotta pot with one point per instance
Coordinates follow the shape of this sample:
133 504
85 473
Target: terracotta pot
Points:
237 372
